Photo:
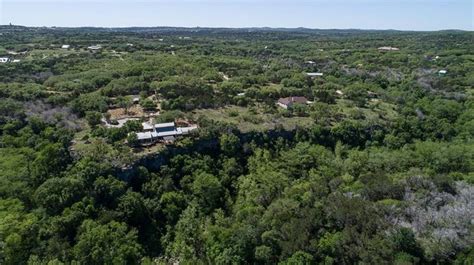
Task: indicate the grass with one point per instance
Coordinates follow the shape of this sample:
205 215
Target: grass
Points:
256 119
373 111
40 54
247 120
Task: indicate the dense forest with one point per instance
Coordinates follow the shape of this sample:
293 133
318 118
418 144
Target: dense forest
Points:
377 168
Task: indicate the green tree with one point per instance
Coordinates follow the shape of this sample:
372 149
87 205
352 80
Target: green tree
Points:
93 118
229 143
208 191
111 243
57 193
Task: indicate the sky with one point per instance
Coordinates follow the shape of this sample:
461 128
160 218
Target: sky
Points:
322 14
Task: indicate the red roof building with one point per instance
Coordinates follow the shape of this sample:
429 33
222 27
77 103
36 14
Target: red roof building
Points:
289 101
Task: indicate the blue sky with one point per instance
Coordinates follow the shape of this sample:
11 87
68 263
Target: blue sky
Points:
362 14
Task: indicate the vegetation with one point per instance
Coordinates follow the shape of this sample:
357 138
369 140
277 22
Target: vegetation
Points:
378 169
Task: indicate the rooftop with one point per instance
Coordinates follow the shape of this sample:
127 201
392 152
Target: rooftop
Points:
388 48
148 126
314 74
290 100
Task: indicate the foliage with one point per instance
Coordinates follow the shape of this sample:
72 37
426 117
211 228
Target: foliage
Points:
376 170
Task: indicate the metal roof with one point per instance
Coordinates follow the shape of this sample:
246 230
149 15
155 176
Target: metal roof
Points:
144 135
164 125
314 74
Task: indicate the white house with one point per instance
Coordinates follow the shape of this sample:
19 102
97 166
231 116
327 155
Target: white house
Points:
65 46
4 59
442 72
161 131
314 74
388 48
94 47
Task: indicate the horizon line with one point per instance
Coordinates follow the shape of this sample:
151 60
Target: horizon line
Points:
226 27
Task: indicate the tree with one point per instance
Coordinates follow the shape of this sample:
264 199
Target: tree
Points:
50 161
208 191
93 118
187 244
148 104
57 193
111 243
357 93
299 258
124 103
89 102
132 139
16 230
107 191
229 144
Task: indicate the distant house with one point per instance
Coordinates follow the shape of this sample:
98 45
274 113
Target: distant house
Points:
290 101
16 61
94 47
310 62
313 75
371 94
65 46
4 59
136 100
388 49
161 132
442 72
339 92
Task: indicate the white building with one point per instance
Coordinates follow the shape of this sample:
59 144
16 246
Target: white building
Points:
388 48
314 74
65 46
161 131
94 47
4 59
